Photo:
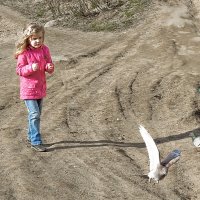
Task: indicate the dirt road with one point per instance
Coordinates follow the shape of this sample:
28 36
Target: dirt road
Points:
105 84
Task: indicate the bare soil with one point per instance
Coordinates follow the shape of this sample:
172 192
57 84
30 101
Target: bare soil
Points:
104 86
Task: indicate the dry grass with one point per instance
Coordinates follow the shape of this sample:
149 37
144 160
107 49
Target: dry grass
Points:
88 15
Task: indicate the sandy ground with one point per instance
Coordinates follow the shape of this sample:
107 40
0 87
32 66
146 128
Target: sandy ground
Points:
105 84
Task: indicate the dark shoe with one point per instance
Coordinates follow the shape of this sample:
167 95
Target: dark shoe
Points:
39 147
28 141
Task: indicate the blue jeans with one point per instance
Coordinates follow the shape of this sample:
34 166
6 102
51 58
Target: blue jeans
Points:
34 111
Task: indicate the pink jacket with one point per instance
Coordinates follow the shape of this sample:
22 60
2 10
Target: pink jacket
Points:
33 83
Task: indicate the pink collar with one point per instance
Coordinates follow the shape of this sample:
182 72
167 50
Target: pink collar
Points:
30 47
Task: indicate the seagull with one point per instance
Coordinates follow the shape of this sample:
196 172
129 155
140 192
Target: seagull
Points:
158 169
195 139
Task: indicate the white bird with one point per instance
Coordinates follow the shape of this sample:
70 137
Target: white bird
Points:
158 169
195 139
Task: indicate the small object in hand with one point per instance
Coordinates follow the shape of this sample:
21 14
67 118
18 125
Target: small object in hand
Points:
50 66
35 66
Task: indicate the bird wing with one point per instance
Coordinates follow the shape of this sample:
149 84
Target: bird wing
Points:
171 158
151 148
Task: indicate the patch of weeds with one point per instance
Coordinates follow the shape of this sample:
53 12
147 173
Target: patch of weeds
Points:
138 3
104 26
135 6
40 12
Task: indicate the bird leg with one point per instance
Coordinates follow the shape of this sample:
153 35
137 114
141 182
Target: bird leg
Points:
149 180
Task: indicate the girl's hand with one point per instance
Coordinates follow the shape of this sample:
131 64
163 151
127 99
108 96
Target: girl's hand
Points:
35 66
50 66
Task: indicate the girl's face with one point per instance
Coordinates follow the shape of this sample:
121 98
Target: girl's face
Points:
36 40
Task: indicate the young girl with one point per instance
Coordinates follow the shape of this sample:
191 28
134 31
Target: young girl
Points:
33 60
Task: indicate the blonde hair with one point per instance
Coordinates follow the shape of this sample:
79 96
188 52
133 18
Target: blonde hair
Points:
29 30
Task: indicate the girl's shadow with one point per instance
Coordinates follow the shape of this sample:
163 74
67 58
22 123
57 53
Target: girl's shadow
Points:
109 143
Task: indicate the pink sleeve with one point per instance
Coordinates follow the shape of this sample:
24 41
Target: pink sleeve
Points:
48 60
23 68
47 55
